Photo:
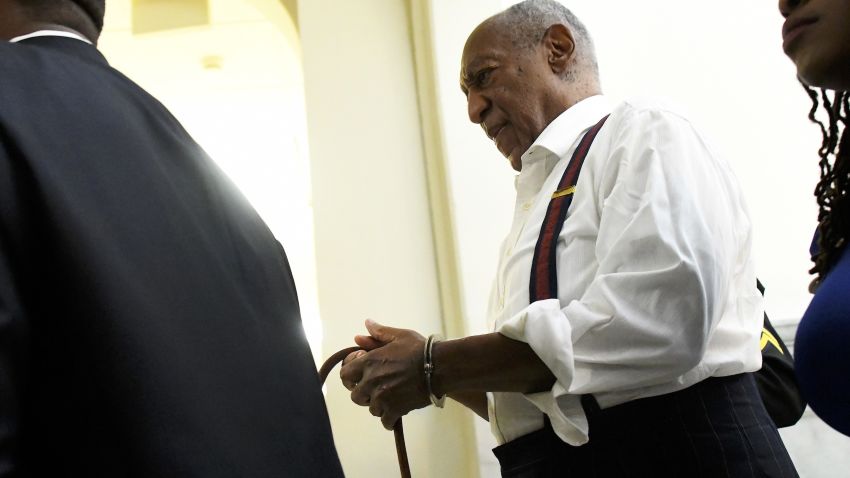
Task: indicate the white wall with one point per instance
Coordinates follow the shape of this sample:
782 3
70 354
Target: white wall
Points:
245 106
723 63
374 243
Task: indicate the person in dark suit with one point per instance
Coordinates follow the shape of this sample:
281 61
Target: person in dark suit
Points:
149 324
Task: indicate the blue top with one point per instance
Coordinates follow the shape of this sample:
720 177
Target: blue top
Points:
822 349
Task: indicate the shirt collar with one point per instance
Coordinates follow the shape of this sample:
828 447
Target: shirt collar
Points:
560 135
50 33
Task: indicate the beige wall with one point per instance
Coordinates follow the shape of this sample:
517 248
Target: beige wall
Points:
374 240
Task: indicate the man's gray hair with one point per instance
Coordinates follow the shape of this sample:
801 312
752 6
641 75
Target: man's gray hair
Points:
527 23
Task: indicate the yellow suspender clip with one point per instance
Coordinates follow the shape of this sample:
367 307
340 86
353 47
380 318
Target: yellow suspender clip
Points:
564 192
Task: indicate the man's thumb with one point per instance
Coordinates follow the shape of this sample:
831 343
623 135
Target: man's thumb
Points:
380 332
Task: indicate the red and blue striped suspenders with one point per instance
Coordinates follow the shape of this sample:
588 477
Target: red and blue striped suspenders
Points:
544 277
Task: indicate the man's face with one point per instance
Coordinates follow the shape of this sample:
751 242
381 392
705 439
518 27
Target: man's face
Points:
507 90
816 36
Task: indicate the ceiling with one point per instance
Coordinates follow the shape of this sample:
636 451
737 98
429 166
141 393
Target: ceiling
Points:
246 44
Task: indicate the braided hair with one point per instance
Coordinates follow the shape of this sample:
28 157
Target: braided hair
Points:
833 189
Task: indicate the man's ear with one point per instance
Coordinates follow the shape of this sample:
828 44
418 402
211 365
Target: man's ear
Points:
560 47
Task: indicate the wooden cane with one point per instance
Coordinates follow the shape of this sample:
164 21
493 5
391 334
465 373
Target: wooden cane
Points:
398 430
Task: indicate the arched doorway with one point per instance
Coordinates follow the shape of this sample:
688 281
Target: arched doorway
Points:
231 72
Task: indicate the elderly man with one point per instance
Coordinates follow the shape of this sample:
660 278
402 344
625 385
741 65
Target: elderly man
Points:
625 312
149 325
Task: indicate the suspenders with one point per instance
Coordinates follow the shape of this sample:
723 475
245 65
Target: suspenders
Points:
544 278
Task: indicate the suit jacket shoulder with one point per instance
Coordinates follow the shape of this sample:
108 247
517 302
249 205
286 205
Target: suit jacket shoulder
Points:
157 329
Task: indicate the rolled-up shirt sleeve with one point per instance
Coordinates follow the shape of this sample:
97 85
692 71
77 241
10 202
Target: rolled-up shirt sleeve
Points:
668 246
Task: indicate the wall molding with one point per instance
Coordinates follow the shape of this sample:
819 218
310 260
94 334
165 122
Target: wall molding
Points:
421 18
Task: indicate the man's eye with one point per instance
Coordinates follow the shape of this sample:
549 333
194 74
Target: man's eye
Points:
483 76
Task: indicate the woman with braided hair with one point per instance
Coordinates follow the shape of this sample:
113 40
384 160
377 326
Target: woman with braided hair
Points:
816 36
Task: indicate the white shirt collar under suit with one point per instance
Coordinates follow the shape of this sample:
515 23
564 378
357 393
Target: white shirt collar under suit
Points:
50 33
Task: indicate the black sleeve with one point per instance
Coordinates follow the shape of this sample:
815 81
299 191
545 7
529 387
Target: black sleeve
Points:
776 381
9 317
11 335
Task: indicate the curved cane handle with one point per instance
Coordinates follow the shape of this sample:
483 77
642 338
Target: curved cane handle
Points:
398 430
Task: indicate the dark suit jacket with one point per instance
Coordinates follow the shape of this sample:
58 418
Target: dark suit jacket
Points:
149 324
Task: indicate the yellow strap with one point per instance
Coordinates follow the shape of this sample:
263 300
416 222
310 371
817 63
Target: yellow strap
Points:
564 192
767 337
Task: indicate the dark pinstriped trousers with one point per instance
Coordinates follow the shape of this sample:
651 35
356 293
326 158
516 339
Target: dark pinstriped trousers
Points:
717 428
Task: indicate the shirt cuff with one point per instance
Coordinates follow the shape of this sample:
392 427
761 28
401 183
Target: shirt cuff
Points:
543 326
565 414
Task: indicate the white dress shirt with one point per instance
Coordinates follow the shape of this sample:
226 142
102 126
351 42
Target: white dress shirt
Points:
50 33
656 282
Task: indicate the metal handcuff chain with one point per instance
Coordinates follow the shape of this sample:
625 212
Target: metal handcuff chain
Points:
398 430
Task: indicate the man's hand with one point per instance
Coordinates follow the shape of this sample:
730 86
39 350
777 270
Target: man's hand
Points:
388 375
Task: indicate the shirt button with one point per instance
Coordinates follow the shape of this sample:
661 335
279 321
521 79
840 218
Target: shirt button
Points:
526 206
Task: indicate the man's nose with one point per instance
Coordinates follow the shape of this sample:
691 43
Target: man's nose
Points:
788 6
477 106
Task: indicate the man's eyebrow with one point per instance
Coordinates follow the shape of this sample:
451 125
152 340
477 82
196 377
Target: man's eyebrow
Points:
465 79
468 73
464 83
